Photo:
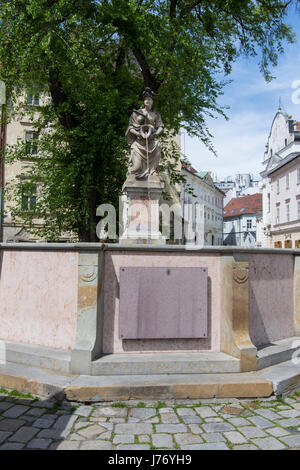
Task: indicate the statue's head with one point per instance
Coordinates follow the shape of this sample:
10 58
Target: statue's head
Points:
148 96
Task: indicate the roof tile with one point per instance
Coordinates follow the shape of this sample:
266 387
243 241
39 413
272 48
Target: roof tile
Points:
243 205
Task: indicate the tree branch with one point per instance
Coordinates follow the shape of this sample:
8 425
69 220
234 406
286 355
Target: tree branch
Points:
149 79
189 6
173 5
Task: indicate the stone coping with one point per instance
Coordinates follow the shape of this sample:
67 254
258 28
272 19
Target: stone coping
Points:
143 247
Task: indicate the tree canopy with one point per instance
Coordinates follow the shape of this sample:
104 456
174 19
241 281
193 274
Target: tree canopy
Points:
94 58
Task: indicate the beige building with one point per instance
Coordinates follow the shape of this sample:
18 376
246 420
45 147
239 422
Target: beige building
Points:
19 129
285 203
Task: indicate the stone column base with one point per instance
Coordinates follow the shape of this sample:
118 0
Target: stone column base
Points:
142 218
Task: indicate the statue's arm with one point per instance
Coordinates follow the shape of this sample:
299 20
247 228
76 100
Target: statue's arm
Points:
133 129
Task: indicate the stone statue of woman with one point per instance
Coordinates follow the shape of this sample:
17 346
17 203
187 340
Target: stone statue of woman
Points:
145 125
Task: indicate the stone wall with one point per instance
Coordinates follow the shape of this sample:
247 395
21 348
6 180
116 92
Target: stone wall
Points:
66 297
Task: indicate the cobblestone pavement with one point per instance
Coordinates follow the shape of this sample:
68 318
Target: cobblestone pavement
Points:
32 423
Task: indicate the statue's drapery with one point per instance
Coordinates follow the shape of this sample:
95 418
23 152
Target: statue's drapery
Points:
140 122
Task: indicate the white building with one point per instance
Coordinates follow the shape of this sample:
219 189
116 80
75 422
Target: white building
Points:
241 218
204 208
281 184
242 184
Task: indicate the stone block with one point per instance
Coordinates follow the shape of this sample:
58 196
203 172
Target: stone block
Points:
15 411
207 446
39 444
11 424
24 434
235 437
171 428
142 413
217 427
96 445
269 443
187 438
123 439
162 440
291 441
134 428
252 432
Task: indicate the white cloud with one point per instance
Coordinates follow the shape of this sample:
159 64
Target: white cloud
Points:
240 142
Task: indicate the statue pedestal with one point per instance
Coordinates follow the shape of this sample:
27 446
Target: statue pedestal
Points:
141 217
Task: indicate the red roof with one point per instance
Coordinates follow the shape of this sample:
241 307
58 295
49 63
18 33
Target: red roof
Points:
189 167
243 205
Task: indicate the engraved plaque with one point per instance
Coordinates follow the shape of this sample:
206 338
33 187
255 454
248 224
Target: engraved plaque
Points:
157 303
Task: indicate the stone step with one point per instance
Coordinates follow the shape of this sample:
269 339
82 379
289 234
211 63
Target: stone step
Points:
280 379
142 387
285 376
277 352
36 356
165 363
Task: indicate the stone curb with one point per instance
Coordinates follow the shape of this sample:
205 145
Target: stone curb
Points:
279 380
109 388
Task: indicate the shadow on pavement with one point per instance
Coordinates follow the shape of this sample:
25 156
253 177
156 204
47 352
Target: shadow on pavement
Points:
33 423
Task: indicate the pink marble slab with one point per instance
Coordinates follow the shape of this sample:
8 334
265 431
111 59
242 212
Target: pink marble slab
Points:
164 302
271 307
38 297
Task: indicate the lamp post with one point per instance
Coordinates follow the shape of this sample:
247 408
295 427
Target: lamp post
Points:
2 148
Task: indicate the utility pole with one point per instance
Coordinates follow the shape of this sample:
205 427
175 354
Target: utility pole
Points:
2 150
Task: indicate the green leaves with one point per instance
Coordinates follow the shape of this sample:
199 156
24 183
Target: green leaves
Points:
93 59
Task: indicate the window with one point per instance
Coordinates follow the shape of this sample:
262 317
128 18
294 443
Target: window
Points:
297 243
298 175
288 244
277 244
287 181
28 197
287 212
249 224
277 186
269 202
277 215
31 142
33 99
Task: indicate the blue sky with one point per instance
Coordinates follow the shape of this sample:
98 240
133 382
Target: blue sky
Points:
240 141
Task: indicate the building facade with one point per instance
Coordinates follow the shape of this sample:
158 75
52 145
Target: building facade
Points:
241 220
19 128
241 184
203 209
281 184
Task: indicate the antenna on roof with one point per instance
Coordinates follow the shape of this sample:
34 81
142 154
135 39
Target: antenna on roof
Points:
281 107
